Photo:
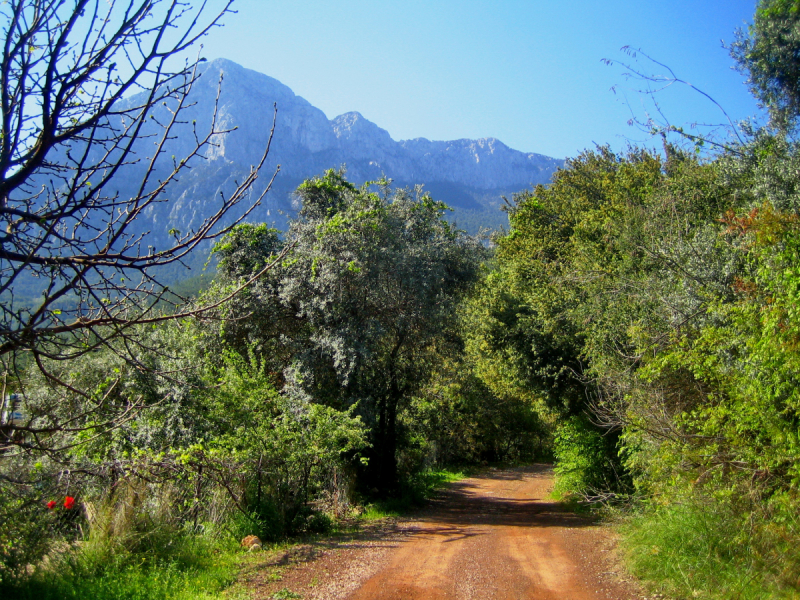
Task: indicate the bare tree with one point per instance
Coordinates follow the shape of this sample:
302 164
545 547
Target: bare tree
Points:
92 89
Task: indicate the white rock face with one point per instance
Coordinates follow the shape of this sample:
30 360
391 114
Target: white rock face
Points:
306 143
486 163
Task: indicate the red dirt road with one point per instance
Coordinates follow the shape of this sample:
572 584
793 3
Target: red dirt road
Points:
496 536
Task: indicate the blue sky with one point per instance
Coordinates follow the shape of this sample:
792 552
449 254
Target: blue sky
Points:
526 72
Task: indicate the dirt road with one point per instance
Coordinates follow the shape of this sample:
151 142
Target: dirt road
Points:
493 536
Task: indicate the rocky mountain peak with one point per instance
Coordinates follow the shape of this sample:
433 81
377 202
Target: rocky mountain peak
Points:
353 125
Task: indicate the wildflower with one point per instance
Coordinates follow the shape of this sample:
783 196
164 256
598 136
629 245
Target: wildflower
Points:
51 505
69 502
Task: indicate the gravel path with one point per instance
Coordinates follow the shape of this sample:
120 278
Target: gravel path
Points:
493 536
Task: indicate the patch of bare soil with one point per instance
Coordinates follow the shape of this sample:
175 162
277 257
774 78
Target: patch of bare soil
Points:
326 569
493 536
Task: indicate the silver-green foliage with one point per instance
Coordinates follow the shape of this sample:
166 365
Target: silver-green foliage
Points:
375 276
768 52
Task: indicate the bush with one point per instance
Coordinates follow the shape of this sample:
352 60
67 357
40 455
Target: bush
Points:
310 521
586 460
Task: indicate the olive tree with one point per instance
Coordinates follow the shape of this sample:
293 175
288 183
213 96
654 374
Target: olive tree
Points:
361 306
376 277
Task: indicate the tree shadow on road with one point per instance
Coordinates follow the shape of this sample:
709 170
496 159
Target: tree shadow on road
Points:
470 502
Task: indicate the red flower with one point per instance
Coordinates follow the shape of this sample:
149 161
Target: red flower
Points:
69 502
51 505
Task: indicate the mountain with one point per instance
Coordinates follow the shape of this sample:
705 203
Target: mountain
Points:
470 175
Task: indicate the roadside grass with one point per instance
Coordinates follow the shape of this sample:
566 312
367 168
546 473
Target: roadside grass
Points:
707 547
192 567
201 573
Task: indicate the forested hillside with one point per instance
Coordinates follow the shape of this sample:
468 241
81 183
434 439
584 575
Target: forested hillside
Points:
637 322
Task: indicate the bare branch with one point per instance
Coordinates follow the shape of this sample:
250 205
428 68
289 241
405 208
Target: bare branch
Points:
94 93
652 84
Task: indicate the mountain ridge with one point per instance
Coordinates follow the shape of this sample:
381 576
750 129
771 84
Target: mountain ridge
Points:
470 175
313 143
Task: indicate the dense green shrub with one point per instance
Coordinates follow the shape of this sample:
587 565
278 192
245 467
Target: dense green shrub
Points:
651 303
458 419
585 459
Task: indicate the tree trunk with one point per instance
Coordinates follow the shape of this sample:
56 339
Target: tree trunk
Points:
386 447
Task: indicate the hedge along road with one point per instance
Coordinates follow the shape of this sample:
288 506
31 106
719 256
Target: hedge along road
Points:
493 536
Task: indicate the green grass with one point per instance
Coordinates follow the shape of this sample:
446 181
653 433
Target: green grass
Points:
710 548
193 568
83 575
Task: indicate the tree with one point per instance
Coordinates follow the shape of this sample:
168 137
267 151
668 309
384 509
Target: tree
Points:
768 52
91 92
584 291
256 320
376 278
